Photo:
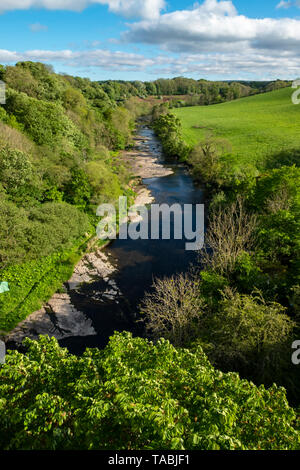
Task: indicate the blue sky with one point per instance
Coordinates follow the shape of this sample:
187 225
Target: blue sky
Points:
146 39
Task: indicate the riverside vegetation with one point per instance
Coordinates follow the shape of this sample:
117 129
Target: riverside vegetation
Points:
246 295
59 143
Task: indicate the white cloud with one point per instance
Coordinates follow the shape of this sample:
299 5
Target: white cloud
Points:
244 64
240 65
215 26
104 59
37 27
149 9
216 7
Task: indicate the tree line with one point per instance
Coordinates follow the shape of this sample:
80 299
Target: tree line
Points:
192 92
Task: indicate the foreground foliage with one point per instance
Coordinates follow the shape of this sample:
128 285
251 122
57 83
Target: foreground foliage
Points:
135 395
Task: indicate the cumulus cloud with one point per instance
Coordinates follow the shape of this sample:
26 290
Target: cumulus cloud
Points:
245 64
149 9
215 26
104 59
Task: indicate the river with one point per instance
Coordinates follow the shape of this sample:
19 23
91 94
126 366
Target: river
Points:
136 263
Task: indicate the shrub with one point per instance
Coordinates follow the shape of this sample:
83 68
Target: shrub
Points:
78 189
45 122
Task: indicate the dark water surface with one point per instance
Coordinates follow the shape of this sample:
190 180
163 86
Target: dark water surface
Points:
138 261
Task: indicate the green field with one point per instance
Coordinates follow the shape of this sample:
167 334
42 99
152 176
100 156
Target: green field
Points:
256 126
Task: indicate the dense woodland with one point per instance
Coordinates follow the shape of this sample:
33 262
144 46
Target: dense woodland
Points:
60 139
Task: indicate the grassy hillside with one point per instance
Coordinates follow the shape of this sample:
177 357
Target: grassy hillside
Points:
256 126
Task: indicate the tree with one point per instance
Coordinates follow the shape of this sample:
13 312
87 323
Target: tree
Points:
135 395
78 189
169 130
205 159
13 225
41 231
250 335
231 232
104 183
16 170
173 309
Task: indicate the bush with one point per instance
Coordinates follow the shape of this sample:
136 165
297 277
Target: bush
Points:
16 171
78 190
45 122
247 275
277 189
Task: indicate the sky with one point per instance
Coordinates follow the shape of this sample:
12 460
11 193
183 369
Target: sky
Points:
148 39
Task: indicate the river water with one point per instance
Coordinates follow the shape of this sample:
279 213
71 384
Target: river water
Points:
89 312
138 261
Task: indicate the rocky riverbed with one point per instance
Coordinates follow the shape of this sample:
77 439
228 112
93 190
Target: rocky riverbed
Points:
142 163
